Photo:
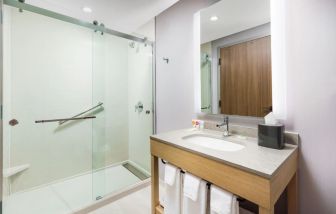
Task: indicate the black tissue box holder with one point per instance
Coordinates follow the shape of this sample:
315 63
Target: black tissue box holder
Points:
271 136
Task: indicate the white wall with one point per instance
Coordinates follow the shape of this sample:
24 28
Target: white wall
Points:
174 81
311 88
146 30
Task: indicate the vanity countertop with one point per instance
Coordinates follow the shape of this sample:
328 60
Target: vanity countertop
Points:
253 158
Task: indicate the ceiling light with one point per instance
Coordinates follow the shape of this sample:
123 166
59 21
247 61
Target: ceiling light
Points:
87 10
213 18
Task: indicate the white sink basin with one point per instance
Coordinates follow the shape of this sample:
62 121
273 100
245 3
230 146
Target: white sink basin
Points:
212 142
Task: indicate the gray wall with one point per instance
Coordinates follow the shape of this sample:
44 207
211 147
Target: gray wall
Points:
174 81
311 99
311 88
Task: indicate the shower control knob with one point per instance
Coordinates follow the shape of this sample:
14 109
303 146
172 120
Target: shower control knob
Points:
139 107
147 111
13 122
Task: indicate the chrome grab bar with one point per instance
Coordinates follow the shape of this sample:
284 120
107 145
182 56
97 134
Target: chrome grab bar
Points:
206 107
65 119
77 115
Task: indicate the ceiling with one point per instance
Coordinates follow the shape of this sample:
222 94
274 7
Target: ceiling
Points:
122 15
233 16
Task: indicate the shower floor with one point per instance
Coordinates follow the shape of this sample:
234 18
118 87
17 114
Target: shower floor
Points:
69 195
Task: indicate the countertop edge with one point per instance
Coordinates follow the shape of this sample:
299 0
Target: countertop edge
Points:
264 175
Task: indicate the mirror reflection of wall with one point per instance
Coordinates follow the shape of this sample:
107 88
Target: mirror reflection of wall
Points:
206 77
236 74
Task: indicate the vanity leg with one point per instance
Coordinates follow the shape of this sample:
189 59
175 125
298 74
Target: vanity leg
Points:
263 210
154 182
292 195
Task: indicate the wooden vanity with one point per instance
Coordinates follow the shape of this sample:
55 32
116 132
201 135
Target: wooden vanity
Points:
259 189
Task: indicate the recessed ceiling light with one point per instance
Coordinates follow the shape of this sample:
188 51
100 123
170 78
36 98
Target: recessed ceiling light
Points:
87 10
213 18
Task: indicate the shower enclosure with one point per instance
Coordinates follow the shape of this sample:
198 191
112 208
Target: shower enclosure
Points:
78 110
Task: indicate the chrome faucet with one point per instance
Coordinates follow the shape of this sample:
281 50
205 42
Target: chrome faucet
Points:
225 122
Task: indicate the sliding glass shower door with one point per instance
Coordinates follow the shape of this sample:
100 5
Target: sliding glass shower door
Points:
78 113
98 125
48 80
122 82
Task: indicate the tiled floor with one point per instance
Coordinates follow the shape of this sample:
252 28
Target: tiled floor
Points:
69 195
137 202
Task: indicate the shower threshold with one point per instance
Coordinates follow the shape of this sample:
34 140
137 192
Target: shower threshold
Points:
78 193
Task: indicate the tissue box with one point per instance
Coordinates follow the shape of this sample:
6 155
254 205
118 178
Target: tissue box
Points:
271 136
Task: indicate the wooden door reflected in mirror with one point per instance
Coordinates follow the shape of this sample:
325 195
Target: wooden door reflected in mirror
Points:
246 78
235 58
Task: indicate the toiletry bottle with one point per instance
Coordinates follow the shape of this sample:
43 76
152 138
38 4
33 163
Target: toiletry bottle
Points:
201 122
197 124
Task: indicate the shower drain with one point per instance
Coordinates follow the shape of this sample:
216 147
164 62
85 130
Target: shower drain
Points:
99 197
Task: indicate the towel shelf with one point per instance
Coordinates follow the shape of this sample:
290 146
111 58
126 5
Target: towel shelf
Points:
260 190
183 171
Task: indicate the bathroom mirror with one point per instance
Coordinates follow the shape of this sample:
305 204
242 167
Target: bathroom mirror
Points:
235 58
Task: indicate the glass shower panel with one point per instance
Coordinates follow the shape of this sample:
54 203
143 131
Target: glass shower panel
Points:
122 81
55 70
99 71
48 72
140 68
